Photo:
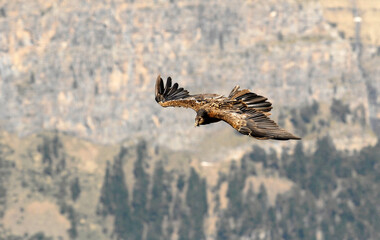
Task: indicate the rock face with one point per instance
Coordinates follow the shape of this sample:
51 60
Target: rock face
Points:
89 69
357 21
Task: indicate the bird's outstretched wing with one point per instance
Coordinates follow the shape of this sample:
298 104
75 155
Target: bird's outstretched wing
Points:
253 123
173 96
246 100
248 113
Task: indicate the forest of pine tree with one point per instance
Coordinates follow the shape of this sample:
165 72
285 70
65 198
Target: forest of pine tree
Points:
146 212
335 195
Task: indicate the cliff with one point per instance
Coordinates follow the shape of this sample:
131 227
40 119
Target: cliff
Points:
89 69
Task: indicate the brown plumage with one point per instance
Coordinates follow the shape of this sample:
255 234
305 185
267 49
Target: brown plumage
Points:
245 111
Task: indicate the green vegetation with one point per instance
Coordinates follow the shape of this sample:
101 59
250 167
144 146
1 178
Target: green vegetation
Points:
335 194
72 216
5 172
53 156
150 206
159 203
75 189
114 199
196 201
303 116
140 191
56 180
339 110
37 236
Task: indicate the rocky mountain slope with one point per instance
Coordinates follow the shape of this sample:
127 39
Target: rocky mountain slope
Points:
89 69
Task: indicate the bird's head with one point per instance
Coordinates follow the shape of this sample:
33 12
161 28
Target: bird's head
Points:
200 118
198 121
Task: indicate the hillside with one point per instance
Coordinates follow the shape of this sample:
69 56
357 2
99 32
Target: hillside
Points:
57 186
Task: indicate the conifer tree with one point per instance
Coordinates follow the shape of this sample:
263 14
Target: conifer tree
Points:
114 198
196 200
159 203
140 191
75 189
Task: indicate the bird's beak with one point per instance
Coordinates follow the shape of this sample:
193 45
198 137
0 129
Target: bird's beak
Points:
196 124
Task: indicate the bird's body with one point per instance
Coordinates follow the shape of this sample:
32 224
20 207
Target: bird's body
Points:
245 111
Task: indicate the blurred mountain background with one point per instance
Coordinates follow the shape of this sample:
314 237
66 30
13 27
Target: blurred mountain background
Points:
86 152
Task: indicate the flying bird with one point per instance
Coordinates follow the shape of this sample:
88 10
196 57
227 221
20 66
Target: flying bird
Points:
245 111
